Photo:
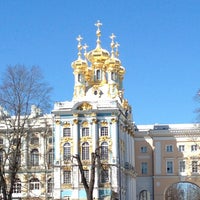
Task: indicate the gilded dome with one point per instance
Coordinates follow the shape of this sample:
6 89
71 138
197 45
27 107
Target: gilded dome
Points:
113 63
80 64
98 55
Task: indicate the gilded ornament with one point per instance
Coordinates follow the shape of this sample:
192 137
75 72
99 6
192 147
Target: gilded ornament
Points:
75 121
84 106
104 123
85 124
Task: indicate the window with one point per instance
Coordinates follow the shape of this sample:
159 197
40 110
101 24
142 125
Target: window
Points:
182 166
169 167
67 151
67 177
85 151
104 176
67 132
85 132
79 78
17 186
169 148
1 156
50 140
181 148
143 149
113 76
144 167
86 174
104 151
1 141
194 147
50 157
34 140
34 157
104 131
98 74
34 184
144 195
194 166
49 185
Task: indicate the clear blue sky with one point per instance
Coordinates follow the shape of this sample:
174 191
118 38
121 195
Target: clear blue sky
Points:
159 47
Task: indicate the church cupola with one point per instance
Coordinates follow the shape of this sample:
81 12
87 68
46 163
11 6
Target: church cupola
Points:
97 58
80 67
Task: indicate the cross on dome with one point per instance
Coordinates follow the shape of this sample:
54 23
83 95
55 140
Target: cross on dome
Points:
116 47
112 44
98 33
79 38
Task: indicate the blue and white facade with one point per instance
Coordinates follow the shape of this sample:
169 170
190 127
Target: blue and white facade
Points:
98 117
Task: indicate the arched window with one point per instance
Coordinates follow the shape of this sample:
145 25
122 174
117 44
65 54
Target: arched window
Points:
17 186
144 195
98 74
67 151
49 185
34 157
104 151
34 184
113 76
85 151
50 157
79 78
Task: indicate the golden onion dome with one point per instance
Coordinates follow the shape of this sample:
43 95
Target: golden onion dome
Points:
113 63
79 64
98 54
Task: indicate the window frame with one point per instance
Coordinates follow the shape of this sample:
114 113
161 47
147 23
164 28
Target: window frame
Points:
17 186
144 168
34 184
67 132
67 177
194 166
105 176
67 151
143 149
104 151
169 148
85 151
35 159
85 131
194 147
169 167
181 148
182 166
49 185
104 131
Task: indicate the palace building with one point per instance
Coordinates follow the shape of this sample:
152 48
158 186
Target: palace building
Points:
98 117
132 162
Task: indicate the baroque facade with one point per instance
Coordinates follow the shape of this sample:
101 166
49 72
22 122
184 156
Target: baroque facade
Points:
35 176
98 117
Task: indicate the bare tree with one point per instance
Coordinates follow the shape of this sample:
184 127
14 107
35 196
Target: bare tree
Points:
20 89
95 162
